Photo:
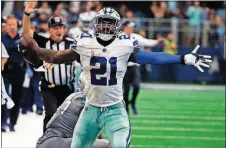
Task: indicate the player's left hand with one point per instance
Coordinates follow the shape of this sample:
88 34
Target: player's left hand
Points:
197 60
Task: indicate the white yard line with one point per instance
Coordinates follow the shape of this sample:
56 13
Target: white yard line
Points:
213 123
176 108
179 137
155 107
182 87
193 113
220 118
177 129
187 104
151 108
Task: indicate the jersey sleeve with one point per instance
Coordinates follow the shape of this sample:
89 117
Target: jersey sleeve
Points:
145 42
158 58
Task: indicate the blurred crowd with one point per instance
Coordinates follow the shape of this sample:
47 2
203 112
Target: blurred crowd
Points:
196 15
193 18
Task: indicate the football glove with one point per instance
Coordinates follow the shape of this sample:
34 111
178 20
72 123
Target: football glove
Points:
197 60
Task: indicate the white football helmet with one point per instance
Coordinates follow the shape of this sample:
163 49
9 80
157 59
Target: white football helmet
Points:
107 24
85 20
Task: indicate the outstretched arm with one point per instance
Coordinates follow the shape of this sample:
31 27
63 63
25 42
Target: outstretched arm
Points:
58 57
142 57
29 46
147 42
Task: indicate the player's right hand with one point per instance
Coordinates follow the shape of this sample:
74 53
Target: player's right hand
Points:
30 7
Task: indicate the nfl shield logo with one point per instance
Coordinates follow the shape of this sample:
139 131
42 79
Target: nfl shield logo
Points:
104 50
57 19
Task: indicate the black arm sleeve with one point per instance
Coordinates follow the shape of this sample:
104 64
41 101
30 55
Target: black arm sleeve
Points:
42 43
41 40
77 57
132 58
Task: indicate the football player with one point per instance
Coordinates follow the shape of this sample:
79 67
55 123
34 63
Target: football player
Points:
132 75
104 57
84 24
60 128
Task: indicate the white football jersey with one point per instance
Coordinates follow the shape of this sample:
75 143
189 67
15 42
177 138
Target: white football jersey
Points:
104 67
143 42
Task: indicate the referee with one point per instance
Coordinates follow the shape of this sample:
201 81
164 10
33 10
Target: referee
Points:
57 83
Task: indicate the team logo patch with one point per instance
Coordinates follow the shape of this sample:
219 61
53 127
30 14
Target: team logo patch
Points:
104 50
57 19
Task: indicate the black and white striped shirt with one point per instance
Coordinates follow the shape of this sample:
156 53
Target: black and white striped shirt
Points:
60 74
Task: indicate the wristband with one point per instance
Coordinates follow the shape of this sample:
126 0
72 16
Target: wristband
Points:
27 14
182 59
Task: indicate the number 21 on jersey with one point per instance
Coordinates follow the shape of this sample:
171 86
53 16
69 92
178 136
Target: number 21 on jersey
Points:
102 70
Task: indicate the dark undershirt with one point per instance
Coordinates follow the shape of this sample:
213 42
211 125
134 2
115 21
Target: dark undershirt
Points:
105 43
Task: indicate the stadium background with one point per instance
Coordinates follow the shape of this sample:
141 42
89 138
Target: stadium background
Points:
188 114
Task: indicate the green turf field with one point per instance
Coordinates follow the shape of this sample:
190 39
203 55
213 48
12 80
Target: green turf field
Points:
179 119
